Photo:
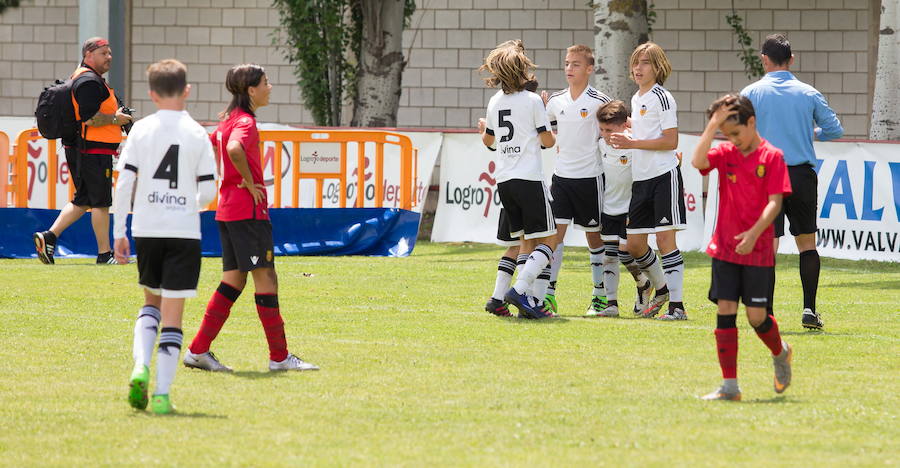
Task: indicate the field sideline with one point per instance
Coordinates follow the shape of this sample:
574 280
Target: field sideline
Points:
414 372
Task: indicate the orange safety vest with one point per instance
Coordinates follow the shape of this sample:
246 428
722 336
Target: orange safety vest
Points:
106 135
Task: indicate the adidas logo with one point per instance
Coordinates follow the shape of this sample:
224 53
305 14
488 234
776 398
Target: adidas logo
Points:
664 220
592 222
254 259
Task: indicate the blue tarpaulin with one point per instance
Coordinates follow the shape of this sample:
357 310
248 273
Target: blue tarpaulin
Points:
297 231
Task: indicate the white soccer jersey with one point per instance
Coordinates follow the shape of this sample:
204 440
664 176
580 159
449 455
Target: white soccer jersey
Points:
516 120
617 170
171 159
577 132
652 113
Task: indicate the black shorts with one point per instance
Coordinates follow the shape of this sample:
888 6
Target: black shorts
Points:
801 206
246 244
92 177
503 237
527 206
657 204
613 227
168 267
577 202
731 282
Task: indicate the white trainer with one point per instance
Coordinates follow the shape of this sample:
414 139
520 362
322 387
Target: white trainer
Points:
292 362
204 361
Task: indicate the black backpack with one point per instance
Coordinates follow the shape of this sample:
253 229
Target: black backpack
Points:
55 113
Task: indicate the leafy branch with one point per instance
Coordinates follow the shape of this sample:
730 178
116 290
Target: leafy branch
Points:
4 4
752 63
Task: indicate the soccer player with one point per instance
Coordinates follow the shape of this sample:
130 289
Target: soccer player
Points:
509 263
657 201
791 114
167 163
577 185
752 181
613 118
244 227
516 126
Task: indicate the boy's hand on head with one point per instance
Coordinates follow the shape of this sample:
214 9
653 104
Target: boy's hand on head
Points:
726 110
747 241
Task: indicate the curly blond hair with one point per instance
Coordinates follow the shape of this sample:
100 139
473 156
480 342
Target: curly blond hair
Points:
509 67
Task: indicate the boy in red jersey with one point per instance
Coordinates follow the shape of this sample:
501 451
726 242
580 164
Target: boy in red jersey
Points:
753 180
244 227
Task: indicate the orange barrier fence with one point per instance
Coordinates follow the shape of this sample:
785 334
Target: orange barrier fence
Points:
14 167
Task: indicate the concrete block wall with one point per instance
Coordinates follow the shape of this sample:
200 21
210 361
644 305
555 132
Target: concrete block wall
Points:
38 44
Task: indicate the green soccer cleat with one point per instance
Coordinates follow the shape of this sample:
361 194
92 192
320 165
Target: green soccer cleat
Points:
550 301
598 304
161 405
137 387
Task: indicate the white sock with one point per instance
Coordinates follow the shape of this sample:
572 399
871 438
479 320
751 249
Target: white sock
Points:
611 271
652 267
505 269
541 284
556 264
536 262
167 358
673 265
597 270
145 328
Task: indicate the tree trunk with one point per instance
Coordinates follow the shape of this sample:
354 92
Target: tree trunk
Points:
381 64
619 27
886 98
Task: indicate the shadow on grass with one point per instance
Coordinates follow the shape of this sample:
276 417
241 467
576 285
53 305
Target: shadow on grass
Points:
778 399
554 320
180 414
814 333
253 375
879 285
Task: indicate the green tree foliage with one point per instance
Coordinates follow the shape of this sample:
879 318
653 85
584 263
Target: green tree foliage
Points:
4 4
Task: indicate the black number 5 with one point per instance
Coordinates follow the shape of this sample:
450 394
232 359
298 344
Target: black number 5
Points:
168 167
506 123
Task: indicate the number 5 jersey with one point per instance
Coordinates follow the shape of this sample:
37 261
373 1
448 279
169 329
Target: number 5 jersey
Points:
516 120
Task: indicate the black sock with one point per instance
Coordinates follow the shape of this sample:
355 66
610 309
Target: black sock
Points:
809 277
676 305
770 307
726 321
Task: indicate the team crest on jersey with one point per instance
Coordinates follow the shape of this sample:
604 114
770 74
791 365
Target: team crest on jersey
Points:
731 176
623 159
760 171
584 113
643 110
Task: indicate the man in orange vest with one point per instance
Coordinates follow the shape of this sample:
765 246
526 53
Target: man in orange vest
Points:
90 156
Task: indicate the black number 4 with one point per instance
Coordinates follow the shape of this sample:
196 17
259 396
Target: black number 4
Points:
168 167
506 123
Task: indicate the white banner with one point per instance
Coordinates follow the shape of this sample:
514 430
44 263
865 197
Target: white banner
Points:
468 207
859 202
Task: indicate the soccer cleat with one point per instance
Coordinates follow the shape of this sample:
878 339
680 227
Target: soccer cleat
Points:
45 244
498 308
528 308
137 386
292 362
673 314
655 304
782 364
721 394
609 311
204 361
550 301
812 320
160 404
598 303
644 294
106 258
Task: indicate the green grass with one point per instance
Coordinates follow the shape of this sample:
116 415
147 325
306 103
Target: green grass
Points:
415 373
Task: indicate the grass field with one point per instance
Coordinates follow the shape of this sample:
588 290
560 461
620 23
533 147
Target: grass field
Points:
415 373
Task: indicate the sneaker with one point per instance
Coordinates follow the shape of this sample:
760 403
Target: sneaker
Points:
204 361
550 300
45 244
655 304
107 258
498 308
528 308
137 387
812 320
609 311
782 364
673 314
598 303
292 362
721 394
161 405
644 294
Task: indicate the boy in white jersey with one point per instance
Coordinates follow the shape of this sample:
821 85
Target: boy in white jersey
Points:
616 198
516 126
168 165
657 201
577 187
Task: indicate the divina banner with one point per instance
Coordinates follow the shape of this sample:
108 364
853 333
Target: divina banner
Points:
469 207
859 202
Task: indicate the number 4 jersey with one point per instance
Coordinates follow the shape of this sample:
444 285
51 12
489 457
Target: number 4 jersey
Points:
516 120
170 158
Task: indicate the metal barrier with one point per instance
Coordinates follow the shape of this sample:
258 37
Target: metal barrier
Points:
18 185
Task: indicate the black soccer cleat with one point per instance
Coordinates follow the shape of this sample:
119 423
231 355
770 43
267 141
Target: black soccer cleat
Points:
106 258
812 320
45 244
498 308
